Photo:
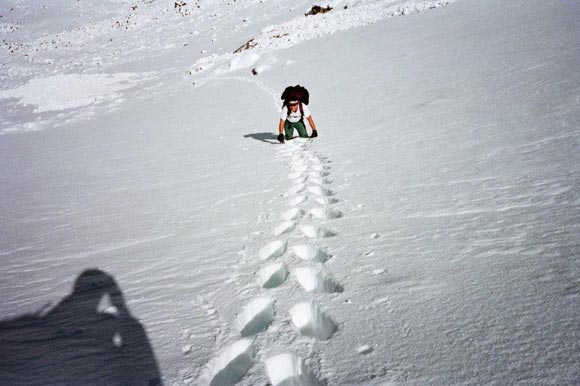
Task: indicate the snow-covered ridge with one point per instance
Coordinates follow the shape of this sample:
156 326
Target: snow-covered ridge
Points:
343 16
49 45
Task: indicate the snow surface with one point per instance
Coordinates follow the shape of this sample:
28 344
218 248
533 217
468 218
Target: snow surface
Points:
431 230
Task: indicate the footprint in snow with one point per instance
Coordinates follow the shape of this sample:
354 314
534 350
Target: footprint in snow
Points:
300 180
230 365
320 181
255 316
309 320
272 276
292 214
321 168
295 175
320 191
326 200
310 253
323 173
325 213
285 227
297 200
288 370
313 280
272 250
298 188
313 232
299 168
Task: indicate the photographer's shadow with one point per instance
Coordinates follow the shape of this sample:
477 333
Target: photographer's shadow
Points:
76 344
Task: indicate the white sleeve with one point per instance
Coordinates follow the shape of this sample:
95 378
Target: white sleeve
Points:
306 111
284 114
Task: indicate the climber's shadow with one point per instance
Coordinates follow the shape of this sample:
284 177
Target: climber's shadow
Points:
75 343
264 137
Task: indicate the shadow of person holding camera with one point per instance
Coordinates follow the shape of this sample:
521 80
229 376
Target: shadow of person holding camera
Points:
75 343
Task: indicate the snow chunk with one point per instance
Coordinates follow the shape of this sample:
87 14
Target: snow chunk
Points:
324 213
256 316
272 250
285 227
272 275
288 370
316 281
311 321
69 91
319 191
326 200
365 349
295 175
230 365
310 252
298 188
297 200
313 232
292 214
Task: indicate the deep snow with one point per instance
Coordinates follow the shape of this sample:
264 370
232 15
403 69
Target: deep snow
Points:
428 236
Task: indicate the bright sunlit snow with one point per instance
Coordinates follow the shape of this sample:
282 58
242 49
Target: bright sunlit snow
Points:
153 230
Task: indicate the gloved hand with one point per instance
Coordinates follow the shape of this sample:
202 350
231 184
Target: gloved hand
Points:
314 134
281 138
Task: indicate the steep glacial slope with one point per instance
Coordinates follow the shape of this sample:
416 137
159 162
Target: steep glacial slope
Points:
428 236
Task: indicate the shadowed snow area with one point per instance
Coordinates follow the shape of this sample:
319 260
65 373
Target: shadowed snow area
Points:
441 192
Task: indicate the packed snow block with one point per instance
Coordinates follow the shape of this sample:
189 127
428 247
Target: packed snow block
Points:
256 316
295 175
311 321
311 253
313 232
299 180
326 200
230 365
293 214
299 167
288 370
272 250
285 227
297 200
325 213
323 173
298 188
272 275
313 280
320 191
364 349
316 180
320 168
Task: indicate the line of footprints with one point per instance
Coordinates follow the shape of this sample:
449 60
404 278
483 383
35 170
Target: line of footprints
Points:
309 177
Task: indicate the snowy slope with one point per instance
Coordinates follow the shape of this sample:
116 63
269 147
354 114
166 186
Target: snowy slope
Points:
428 236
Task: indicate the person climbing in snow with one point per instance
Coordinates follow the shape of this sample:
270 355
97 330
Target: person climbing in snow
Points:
294 110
